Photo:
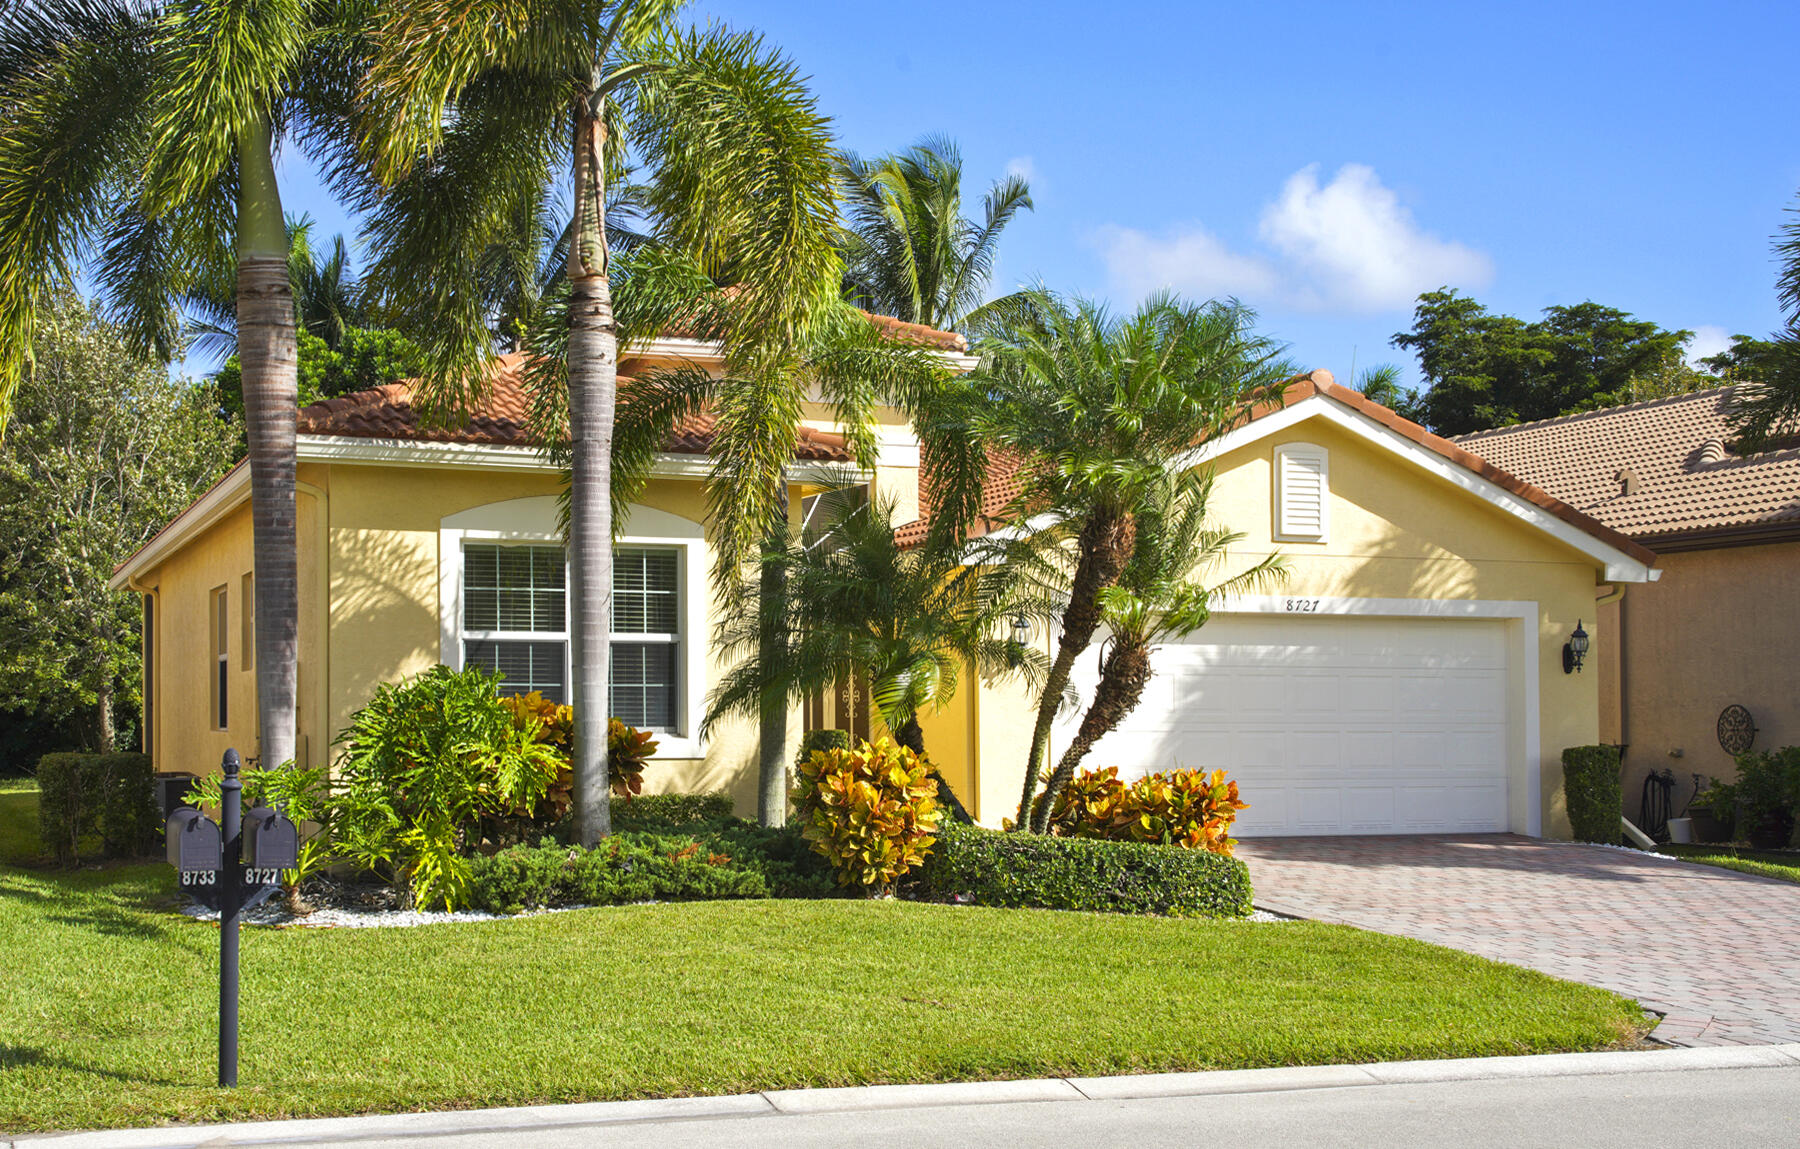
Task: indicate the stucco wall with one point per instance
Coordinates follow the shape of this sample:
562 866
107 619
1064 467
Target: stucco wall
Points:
1395 532
1719 627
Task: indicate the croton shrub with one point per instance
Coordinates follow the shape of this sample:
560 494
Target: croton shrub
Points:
628 749
1190 808
871 811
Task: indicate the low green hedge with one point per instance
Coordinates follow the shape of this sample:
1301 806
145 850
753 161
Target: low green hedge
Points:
655 811
1591 790
109 795
991 868
731 859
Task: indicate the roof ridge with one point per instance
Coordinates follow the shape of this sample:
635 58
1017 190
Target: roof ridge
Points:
1574 415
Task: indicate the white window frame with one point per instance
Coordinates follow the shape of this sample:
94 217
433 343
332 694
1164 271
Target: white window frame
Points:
1322 458
534 520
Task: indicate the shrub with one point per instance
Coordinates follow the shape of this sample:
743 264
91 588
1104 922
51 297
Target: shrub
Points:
302 794
111 795
656 811
991 868
628 752
423 764
1189 808
1591 789
814 741
871 812
635 867
1769 786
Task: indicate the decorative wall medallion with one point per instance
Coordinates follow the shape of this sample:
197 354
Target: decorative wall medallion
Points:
1736 730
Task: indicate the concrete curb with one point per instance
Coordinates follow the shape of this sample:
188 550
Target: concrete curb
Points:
797 1102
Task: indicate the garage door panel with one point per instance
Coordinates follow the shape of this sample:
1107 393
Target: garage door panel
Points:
1330 724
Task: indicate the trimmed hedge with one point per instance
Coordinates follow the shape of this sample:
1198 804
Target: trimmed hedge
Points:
1591 791
732 860
655 811
815 740
111 795
991 868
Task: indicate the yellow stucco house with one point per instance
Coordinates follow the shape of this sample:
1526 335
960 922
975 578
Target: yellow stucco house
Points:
1409 678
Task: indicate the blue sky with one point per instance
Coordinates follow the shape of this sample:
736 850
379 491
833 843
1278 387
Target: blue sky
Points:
1326 162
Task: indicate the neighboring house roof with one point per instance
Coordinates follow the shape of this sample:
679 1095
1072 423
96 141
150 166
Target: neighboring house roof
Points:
388 412
1660 471
1298 402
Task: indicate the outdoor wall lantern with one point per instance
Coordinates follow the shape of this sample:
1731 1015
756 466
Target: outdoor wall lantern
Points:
1021 628
1575 649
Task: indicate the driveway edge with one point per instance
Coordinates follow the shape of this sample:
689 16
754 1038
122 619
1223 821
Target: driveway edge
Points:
798 1102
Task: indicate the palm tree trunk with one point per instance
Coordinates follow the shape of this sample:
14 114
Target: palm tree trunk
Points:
1104 545
1122 680
912 736
269 355
771 754
593 393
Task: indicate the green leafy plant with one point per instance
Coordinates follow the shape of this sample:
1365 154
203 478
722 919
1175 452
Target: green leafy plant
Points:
303 794
110 795
628 751
1769 785
814 741
627 867
664 811
992 868
871 812
423 763
1591 789
1719 799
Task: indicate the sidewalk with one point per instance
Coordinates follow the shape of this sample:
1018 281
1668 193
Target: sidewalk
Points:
764 1118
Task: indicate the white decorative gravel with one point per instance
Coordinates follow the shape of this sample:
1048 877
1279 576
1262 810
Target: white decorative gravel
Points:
267 915
1633 850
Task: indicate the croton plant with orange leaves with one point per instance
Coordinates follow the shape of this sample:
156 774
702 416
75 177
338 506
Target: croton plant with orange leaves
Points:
1190 808
628 749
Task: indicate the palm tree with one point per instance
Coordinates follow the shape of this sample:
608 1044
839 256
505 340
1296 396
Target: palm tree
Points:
910 253
859 607
1766 410
1156 599
739 163
143 135
1097 407
328 299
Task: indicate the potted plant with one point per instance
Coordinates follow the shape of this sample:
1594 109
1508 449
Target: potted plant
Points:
1714 812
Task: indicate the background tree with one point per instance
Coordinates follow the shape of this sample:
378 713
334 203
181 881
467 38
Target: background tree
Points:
1484 370
143 135
1098 407
909 251
1159 597
1767 406
860 608
737 182
104 449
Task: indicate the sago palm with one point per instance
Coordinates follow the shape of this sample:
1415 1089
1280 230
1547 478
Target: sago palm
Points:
1095 407
1159 597
859 607
138 140
737 166
910 252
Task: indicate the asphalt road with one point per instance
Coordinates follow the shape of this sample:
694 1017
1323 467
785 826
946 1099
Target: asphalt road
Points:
1690 1108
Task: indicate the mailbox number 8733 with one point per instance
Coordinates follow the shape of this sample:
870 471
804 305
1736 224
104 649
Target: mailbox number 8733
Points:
200 877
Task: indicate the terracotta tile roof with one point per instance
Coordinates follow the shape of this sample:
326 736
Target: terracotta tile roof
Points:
902 332
387 413
1320 382
1656 470
1001 488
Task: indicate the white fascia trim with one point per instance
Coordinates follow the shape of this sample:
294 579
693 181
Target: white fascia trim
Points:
712 354
1619 566
1522 617
208 509
494 457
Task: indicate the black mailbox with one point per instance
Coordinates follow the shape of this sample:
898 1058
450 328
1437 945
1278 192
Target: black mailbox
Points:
271 840
193 841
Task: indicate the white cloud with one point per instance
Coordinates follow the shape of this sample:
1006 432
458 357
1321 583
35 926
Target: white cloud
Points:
1346 246
1709 339
1024 167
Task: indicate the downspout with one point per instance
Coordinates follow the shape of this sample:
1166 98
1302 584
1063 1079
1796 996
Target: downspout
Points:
155 692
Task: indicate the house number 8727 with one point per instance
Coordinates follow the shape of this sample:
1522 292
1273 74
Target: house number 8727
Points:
1302 605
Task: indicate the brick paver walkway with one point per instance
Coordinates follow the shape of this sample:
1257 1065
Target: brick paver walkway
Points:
1716 951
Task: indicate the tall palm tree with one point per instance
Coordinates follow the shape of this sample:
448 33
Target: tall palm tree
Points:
859 607
468 138
910 252
1097 407
1158 598
1766 410
142 134
328 298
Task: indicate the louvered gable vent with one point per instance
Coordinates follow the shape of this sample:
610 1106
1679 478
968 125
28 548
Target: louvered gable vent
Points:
1302 484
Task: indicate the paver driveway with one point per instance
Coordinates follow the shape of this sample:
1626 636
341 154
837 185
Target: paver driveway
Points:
1716 951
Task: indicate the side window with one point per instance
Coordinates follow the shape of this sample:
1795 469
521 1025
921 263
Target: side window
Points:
220 613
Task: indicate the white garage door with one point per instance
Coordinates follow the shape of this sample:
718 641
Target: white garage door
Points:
1330 724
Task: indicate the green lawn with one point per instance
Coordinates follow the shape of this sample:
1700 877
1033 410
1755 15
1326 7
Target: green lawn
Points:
1768 863
107 1018
18 820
